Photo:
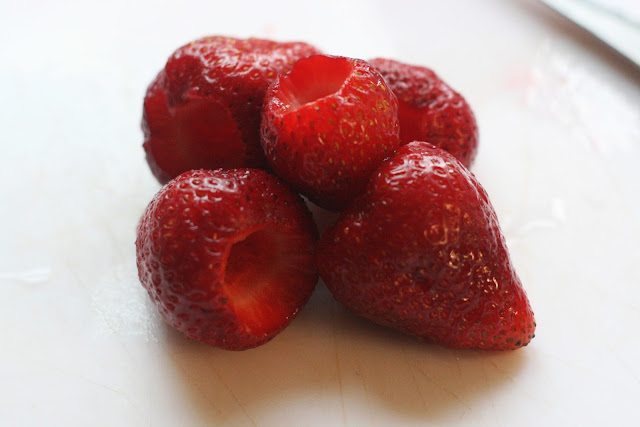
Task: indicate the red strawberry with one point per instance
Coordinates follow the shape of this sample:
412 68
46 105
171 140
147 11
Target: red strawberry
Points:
326 125
203 109
429 110
421 251
227 255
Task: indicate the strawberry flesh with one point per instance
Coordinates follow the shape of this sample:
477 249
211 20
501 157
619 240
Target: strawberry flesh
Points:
257 268
190 135
313 80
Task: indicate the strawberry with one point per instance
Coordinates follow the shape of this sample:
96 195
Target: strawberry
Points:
227 255
430 110
326 125
203 109
421 251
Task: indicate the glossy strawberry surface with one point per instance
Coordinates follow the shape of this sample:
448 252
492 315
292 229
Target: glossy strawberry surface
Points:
227 256
430 110
422 252
203 109
327 124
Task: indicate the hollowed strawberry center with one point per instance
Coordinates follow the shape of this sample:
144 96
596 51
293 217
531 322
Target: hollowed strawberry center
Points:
314 78
193 135
261 278
250 262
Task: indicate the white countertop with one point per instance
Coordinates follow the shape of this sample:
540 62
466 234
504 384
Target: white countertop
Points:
559 118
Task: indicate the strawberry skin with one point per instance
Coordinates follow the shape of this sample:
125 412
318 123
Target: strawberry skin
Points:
203 109
430 110
227 256
327 124
421 251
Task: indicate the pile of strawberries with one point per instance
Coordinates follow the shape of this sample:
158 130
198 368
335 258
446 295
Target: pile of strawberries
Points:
237 130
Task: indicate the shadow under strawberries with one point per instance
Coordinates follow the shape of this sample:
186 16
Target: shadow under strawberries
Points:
330 367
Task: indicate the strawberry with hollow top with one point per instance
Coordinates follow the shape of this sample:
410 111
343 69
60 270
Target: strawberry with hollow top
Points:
227 256
326 126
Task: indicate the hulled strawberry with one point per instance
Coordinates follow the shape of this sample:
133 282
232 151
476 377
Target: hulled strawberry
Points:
203 109
227 256
327 124
421 251
430 110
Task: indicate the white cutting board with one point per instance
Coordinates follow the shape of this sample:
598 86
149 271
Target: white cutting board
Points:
559 118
